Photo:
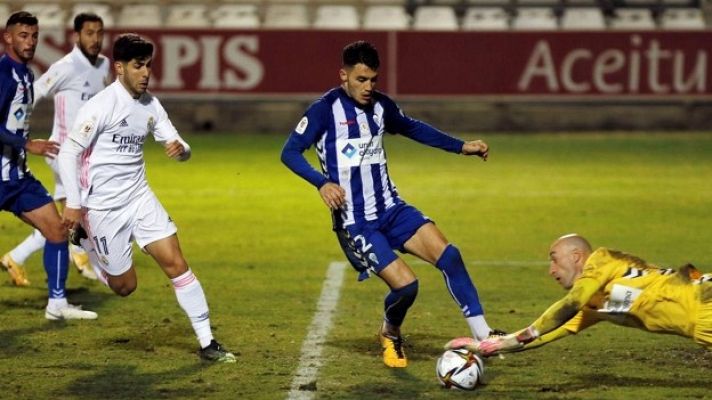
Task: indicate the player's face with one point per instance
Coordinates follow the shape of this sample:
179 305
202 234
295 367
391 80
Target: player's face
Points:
134 75
90 39
562 266
359 82
21 41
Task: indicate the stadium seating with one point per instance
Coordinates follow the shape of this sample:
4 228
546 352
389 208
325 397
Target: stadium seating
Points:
537 3
4 13
343 16
50 15
102 10
682 19
140 15
435 18
632 18
244 16
485 18
487 3
286 16
187 16
583 18
534 18
385 17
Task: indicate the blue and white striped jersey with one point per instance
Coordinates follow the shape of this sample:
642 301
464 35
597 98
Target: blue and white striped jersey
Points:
349 142
16 98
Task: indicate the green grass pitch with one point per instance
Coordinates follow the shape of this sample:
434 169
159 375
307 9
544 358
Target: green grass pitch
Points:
259 240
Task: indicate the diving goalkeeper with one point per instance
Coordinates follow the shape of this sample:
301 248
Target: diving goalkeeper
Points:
608 285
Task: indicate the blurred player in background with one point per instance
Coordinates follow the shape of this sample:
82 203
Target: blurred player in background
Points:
104 174
20 192
72 80
347 126
608 285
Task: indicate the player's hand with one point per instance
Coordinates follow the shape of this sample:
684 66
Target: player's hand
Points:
476 148
467 343
175 149
71 218
334 196
41 147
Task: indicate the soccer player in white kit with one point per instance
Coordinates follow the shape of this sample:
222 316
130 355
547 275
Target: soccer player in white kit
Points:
72 80
104 175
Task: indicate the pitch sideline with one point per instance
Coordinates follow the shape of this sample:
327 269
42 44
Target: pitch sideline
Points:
303 386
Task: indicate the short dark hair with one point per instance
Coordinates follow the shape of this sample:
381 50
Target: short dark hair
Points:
21 17
81 18
361 52
129 46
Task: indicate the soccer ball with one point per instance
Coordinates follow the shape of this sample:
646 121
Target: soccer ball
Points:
459 369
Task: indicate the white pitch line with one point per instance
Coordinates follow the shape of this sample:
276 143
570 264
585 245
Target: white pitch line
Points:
310 359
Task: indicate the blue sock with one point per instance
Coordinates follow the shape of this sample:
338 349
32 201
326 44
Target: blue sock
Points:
56 263
398 301
458 281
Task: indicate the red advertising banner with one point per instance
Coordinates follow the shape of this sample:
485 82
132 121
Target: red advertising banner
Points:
640 64
560 65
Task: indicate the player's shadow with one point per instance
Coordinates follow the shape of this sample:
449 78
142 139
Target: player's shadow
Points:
117 381
418 347
12 343
633 382
35 299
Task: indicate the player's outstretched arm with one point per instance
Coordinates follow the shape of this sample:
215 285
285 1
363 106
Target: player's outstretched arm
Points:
476 148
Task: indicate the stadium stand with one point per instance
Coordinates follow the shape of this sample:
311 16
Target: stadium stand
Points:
583 18
435 18
487 3
682 19
4 12
434 15
286 16
140 15
386 16
51 15
244 16
341 16
102 10
187 16
632 18
485 19
534 18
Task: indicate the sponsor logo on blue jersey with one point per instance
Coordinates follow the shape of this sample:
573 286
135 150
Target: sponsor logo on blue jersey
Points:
349 150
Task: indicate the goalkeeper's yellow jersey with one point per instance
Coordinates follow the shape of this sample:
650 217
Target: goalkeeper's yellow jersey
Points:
625 290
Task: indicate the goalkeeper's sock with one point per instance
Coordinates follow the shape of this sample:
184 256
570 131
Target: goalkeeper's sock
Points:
458 282
34 242
478 326
192 300
398 301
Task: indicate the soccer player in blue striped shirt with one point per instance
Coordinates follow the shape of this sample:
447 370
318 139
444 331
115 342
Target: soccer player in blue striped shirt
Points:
347 126
20 192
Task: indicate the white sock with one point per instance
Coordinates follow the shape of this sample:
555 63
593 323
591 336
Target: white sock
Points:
31 244
56 304
192 300
478 326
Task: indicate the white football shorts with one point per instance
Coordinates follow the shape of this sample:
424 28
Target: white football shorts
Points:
110 232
